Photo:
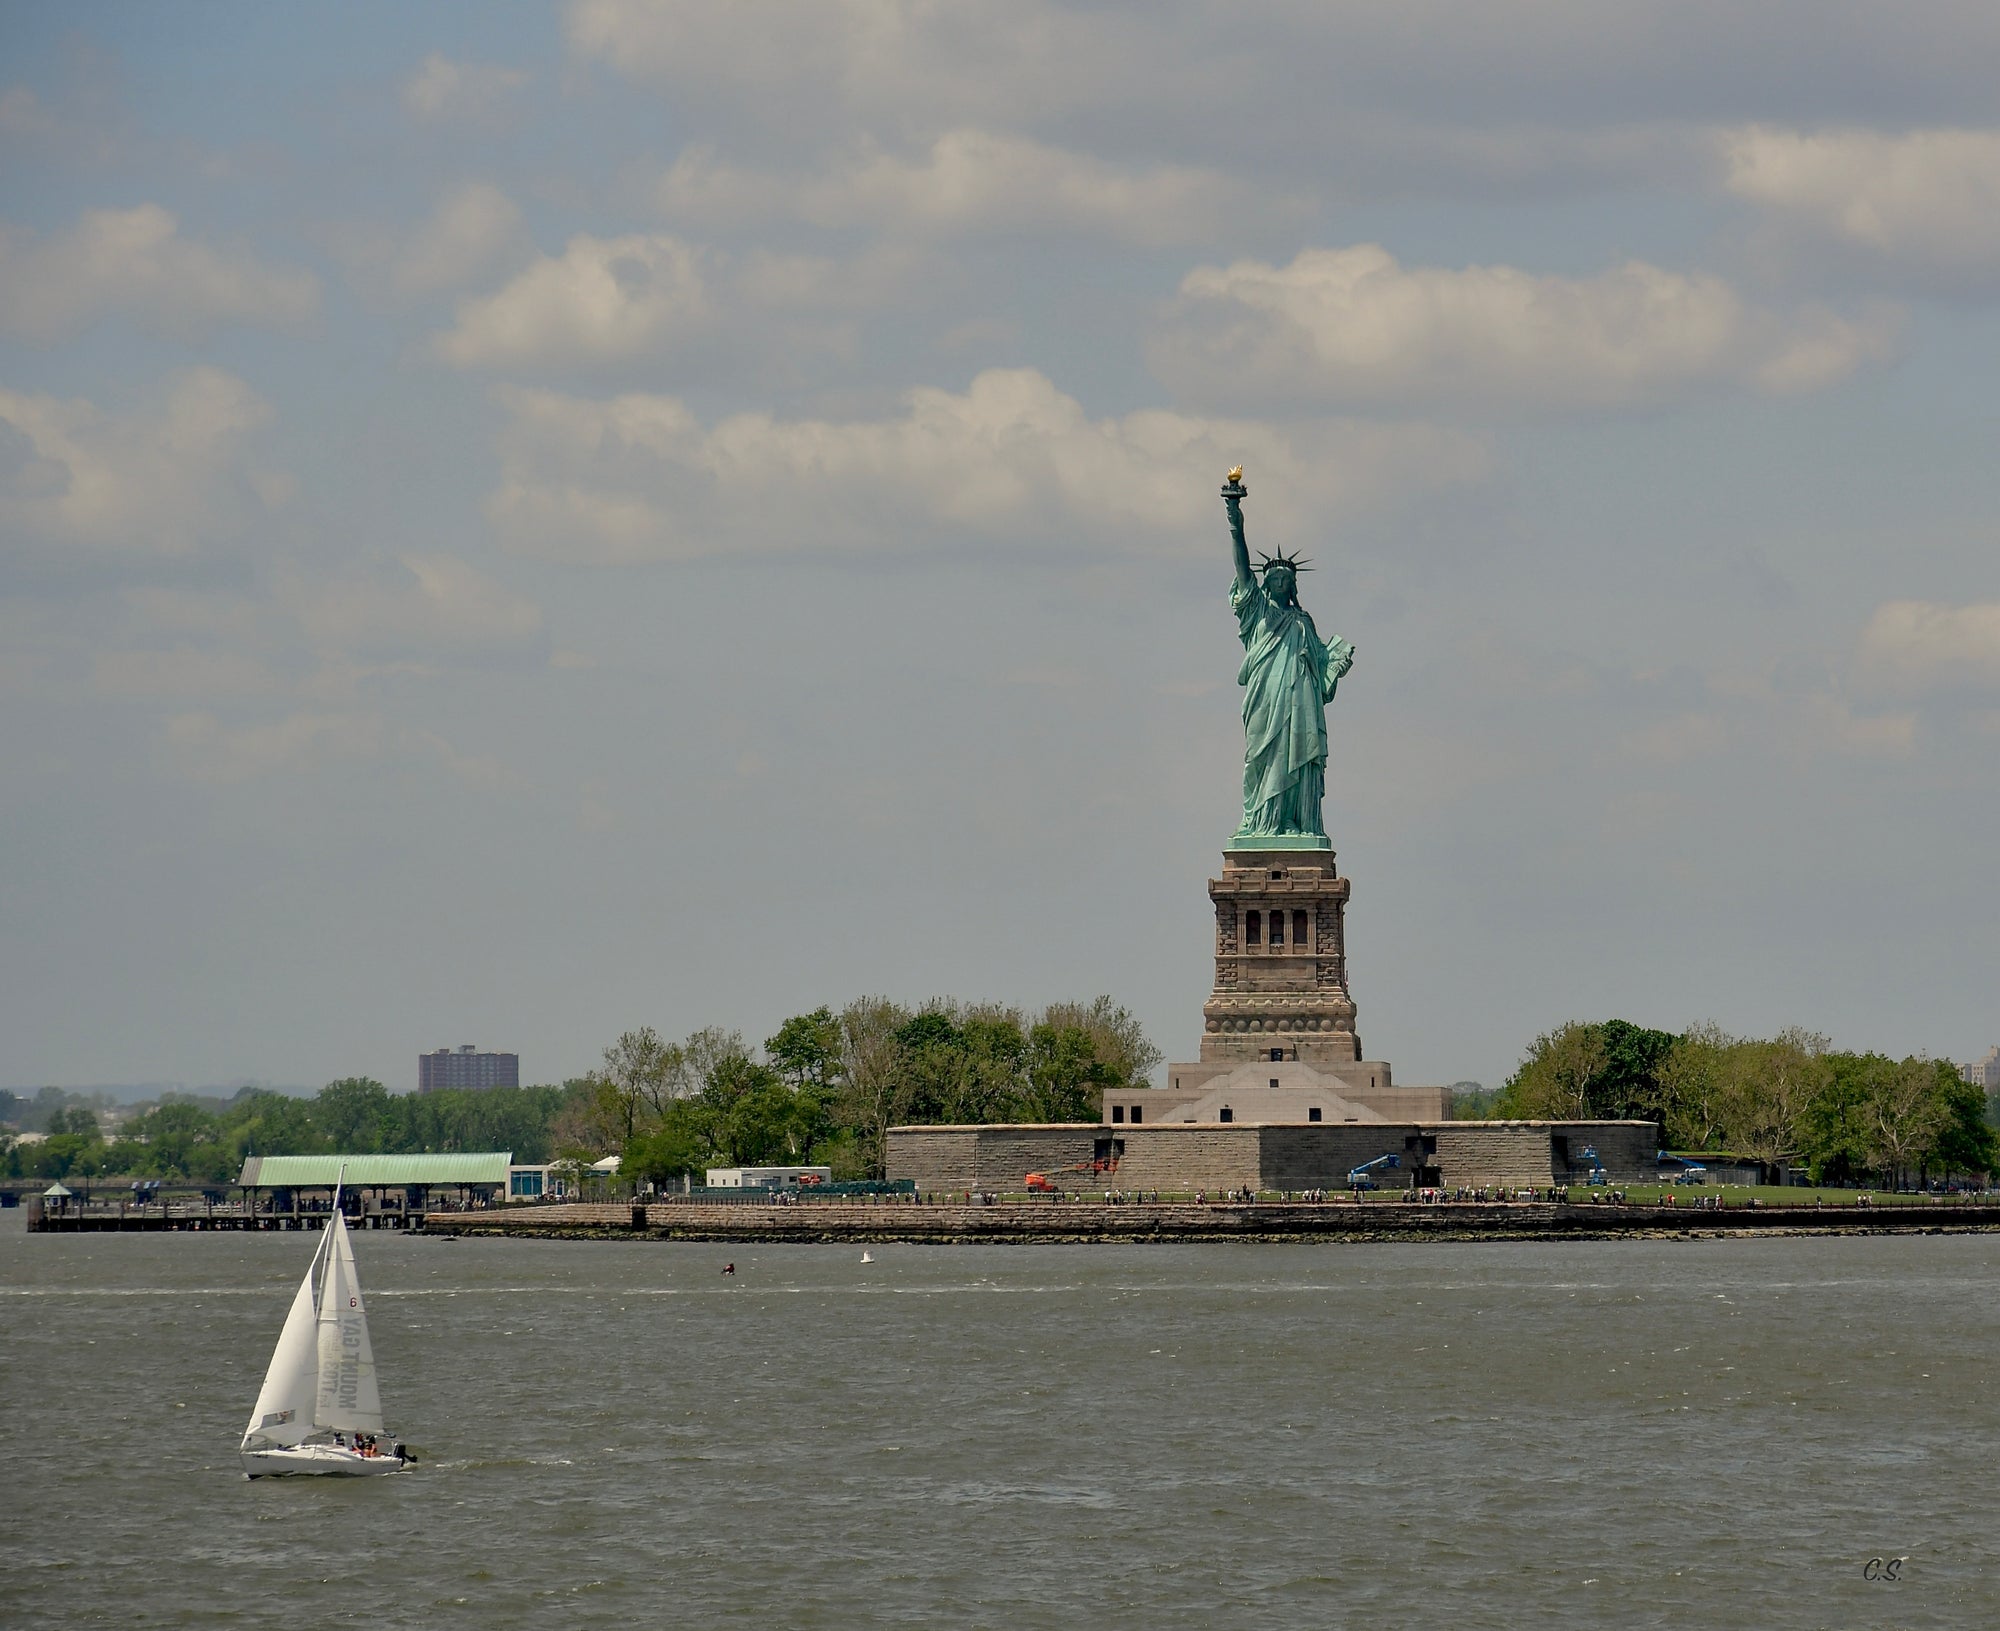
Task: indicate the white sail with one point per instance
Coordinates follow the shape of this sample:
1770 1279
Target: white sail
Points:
284 1412
347 1393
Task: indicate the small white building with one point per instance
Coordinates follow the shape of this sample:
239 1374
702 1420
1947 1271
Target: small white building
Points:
550 1180
767 1177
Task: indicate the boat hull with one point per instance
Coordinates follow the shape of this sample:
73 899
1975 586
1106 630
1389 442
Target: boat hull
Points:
316 1461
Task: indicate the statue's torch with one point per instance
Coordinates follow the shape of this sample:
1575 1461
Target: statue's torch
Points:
1233 487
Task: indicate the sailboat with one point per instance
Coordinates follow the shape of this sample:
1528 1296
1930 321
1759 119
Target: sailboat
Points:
319 1411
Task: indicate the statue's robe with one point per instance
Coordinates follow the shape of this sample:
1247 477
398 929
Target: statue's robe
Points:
1288 677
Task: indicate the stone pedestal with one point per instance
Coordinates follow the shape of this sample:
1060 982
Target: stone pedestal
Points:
1280 961
1281 994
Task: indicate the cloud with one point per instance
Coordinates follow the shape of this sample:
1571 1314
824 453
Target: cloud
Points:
136 263
607 302
1012 461
182 671
1355 326
976 182
601 300
208 750
432 608
443 89
1762 720
470 232
1922 205
165 479
1366 98
203 747
23 114
1918 648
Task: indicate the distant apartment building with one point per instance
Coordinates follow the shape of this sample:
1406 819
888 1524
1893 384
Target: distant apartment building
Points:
1984 1072
466 1067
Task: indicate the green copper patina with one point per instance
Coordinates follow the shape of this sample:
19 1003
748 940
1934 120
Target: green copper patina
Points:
1288 677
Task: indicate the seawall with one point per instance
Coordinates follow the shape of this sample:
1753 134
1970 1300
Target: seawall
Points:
1052 1222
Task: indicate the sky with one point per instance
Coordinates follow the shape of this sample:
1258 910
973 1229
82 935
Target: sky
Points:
522 521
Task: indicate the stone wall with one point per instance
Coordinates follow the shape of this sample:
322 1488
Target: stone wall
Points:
1513 1153
1181 1158
997 1157
1321 1157
1184 1158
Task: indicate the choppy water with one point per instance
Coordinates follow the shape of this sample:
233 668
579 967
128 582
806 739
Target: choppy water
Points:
1710 1434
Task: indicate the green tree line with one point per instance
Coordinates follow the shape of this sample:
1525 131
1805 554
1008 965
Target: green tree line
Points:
1791 1099
820 1091
826 1086
357 1116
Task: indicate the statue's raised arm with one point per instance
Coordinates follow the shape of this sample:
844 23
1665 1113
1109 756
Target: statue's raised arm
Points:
1233 494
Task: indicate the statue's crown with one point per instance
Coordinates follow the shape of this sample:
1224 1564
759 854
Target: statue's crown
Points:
1295 564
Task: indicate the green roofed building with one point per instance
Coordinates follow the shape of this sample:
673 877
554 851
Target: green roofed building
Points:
468 1171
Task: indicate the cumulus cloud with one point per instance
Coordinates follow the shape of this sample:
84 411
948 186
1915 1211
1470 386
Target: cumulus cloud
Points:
136 263
1919 648
1368 96
601 300
1761 719
425 607
1011 460
203 747
207 749
470 232
443 89
23 113
180 671
1355 326
609 301
161 479
978 181
1923 204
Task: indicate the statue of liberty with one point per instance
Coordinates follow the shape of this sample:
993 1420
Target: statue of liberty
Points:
1288 677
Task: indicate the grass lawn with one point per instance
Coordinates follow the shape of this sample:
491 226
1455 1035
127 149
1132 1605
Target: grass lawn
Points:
1767 1195
1684 1195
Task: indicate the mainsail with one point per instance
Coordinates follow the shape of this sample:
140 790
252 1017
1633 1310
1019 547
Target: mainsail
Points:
284 1413
347 1395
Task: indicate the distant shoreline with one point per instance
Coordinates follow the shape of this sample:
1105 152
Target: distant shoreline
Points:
1095 1223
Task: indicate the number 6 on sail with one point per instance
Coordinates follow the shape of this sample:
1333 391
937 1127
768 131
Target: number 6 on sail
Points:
319 1411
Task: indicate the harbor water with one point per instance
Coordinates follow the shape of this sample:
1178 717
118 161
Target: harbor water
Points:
1708 1433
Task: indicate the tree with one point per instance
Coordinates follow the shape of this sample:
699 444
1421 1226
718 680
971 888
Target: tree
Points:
1905 1116
1693 1084
678 1146
1116 1037
1554 1080
749 1108
962 1069
870 1065
807 1052
1628 1086
637 1078
74 1120
1768 1089
1065 1077
1966 1142
353 1115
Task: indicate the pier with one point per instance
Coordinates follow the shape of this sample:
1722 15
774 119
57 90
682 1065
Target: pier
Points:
178 1217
